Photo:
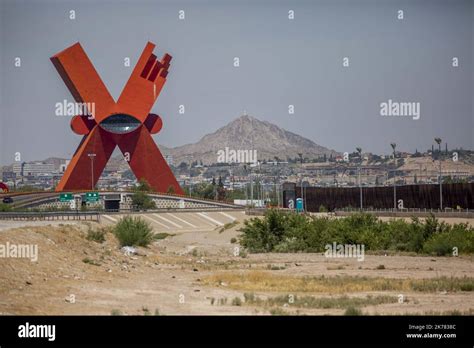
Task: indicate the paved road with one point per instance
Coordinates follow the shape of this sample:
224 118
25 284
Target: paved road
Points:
173 222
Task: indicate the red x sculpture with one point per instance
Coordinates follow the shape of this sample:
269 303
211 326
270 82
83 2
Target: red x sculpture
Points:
126 123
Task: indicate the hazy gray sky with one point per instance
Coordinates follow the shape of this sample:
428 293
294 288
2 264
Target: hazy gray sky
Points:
282 62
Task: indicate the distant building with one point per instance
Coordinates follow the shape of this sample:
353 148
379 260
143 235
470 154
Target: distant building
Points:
63 166
18 168
169 159
32 168
8 176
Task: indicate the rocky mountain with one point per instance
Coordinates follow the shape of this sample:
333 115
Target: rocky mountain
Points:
245 133
249 133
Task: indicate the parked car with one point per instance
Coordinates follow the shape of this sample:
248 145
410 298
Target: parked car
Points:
7 200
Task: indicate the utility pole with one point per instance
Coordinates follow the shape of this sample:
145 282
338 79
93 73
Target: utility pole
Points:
421 173
190 178
301 181
214 184
91 156
277 183
440 179
360 188
393 145
359 150
259 186
251 187
246 186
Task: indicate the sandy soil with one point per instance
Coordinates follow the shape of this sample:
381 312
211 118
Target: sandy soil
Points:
169 276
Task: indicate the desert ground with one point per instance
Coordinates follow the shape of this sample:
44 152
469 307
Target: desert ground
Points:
199 269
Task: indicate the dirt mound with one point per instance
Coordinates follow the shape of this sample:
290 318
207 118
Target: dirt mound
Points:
64 255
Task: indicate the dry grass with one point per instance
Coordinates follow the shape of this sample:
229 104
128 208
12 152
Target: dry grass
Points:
343 302
265 281
451 312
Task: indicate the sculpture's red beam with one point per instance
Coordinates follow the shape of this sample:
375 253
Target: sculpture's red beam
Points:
126 123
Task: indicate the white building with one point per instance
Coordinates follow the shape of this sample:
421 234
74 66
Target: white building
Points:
32 168
169 159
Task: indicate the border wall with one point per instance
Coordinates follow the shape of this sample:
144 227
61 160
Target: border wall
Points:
414 196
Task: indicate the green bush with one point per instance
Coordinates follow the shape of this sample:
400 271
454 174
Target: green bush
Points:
141 201
143 186
261 235
5 207
285 232
133 231
236 301
403 236
459 236
352 311
96 235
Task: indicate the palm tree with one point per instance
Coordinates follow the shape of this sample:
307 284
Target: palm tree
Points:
438 141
